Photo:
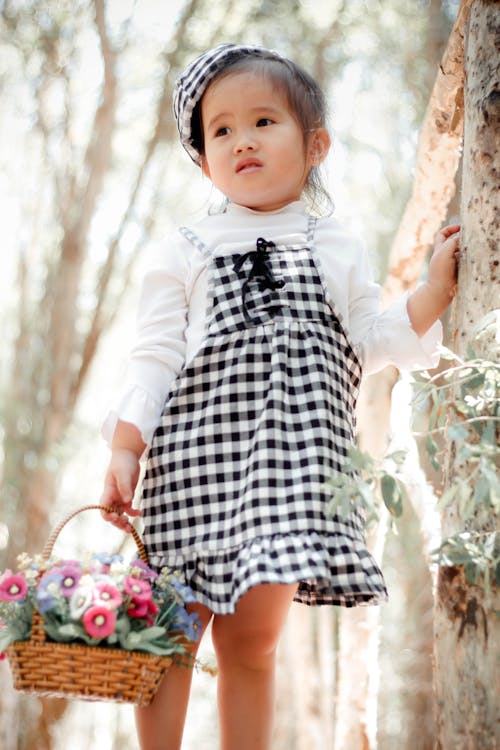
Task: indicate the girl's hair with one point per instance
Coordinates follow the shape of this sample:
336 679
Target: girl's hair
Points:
305 100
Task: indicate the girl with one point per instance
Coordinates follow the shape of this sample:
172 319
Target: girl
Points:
253 329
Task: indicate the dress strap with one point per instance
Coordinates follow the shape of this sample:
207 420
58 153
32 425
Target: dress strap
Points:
311 227
195 240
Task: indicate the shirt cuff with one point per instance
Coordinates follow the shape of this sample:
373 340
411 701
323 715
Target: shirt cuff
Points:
134 405
418 352
393 341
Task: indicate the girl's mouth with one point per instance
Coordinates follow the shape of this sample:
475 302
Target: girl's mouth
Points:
248 165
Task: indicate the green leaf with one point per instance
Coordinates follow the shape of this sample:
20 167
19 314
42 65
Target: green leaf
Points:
457 432
71 630
360 460
398 457
465 500
497 573
392 494
447 497
447 354
488 433
150 634
474 382
432 449
482 490
472 572
6 640
490 321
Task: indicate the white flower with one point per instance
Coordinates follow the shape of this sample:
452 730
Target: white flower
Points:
117 568
23 561
79 602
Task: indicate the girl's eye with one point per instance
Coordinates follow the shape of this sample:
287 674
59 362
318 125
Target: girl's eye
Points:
264 121
221 131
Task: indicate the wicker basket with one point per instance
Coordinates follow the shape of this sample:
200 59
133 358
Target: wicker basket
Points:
66 670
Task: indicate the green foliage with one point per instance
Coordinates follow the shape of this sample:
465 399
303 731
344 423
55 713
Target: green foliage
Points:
362 482
478 553
464 410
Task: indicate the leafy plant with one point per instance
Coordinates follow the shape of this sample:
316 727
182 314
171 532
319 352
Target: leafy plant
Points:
363 480
465 411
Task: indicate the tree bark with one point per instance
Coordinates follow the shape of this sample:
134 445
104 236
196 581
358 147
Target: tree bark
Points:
437 161
467 632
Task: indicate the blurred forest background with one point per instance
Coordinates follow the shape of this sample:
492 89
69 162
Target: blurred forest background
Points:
92 176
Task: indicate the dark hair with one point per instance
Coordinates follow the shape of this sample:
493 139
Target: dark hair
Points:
305 99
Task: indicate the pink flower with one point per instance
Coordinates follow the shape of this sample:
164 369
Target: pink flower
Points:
153 610
99 621
139 590
13 586
138 609
147 609
107 594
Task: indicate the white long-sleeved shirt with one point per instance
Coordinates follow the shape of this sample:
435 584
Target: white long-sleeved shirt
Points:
173 306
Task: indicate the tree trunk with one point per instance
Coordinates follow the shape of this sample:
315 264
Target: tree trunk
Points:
466 629
306 680
437 161
356 710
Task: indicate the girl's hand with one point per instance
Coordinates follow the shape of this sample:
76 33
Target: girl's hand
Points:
442 277
119 486
431 299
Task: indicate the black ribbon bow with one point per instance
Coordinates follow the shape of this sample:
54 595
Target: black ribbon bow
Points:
260 270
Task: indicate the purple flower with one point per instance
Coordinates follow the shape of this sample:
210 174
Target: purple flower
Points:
48 590
70 575
147 573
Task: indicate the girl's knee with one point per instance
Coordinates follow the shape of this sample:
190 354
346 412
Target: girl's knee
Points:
252 647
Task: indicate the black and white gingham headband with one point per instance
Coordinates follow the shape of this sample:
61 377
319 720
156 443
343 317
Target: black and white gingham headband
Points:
192 83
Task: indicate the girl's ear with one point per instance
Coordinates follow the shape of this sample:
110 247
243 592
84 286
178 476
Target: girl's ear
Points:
204 167
319 146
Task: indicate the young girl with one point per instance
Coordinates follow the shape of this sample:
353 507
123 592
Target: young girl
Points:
254 327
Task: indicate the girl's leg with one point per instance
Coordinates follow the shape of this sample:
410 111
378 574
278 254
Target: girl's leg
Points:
245 644
160 725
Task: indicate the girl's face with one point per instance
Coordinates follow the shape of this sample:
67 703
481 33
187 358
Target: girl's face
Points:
254 147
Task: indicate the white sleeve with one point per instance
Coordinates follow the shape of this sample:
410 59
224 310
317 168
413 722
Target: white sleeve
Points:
386 336
158 353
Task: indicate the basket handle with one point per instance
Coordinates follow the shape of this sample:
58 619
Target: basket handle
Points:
49 545
37 628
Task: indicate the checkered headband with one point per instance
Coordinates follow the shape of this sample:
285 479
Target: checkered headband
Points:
192 83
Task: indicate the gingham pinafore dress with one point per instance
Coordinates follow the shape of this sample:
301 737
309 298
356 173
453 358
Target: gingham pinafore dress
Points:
234 491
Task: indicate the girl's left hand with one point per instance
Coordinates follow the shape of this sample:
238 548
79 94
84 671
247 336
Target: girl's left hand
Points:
442 276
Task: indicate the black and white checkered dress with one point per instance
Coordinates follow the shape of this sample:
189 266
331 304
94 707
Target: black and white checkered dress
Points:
254 425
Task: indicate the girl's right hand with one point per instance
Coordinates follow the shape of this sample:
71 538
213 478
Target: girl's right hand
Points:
119 487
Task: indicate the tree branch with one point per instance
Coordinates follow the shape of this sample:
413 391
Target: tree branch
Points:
99 149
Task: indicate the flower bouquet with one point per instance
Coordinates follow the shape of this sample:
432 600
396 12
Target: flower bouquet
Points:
97 628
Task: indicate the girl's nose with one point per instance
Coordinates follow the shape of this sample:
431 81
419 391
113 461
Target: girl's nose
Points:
244 142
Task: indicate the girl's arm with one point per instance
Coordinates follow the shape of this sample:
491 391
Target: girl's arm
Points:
122 474
427 303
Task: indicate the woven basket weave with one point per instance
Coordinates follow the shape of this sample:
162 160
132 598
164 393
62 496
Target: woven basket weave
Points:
66 670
